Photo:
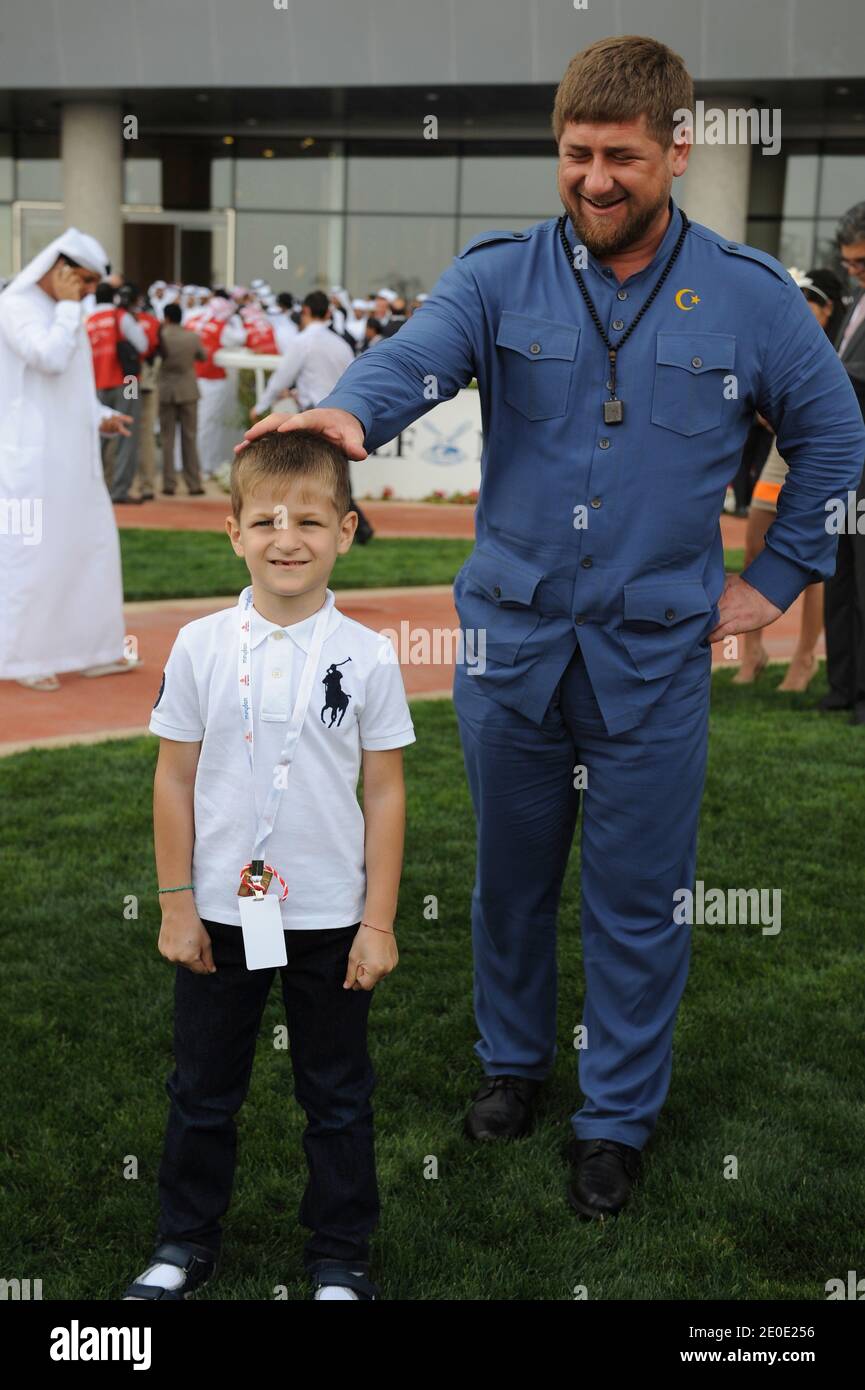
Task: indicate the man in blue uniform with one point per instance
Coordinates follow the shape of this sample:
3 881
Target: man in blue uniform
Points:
620 353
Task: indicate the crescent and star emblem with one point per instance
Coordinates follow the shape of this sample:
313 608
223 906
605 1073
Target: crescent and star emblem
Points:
695 299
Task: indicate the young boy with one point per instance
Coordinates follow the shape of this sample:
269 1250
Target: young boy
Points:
226 798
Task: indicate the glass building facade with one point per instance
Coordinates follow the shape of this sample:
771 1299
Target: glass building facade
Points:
306 213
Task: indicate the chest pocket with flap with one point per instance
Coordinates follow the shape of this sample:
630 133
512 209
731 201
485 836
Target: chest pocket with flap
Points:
690 373
537 357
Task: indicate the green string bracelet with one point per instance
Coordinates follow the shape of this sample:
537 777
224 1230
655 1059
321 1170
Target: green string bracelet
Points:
176 890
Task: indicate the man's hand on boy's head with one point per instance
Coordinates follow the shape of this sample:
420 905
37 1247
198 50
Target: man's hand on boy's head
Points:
373 955
339 426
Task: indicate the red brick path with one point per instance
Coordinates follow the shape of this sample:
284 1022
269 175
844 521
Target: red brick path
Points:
111 706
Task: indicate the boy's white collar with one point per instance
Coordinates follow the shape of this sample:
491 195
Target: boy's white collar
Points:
301 633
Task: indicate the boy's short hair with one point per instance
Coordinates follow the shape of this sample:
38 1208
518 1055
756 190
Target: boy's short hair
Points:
279 458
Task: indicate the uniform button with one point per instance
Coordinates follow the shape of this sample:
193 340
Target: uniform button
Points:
696 361
670 614
579 619
595 502
622 294
518 236
535 347
609 386
587 563
497 593
603 443
277 636
618 323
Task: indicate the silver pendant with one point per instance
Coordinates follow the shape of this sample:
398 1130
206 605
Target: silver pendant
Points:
613 412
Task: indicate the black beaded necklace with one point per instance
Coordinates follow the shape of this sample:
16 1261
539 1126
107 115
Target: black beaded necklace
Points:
614 408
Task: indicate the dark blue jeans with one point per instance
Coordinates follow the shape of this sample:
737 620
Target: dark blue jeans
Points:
216 1023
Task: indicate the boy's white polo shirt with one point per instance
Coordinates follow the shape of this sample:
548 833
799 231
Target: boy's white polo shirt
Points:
317 842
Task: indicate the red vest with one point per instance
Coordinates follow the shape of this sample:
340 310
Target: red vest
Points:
210 332
150 324
103 327
259 334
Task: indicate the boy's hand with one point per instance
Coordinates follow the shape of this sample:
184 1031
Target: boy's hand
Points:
373 955
183 939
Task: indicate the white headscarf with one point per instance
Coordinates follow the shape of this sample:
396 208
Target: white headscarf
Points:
80 247
340 294
221 309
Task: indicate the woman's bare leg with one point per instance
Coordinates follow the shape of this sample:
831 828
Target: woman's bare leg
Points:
803 664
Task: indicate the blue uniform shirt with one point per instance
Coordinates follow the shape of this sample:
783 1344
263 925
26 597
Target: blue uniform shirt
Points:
609 535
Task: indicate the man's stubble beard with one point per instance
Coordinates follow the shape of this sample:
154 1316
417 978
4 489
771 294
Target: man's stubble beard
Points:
610 241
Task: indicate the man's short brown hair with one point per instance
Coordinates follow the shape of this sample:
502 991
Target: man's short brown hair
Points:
620 79
296 454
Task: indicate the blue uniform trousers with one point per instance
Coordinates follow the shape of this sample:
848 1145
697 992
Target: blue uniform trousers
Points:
641 807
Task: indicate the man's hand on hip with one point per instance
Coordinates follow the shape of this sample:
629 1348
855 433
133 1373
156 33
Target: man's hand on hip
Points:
742 608
339 426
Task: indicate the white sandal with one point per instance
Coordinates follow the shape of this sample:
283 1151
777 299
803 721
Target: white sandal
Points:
39 682
112 668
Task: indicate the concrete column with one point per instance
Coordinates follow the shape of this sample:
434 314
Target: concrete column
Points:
716 187
92 152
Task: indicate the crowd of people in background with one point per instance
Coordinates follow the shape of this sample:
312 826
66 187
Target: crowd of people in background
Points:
155 363
184 400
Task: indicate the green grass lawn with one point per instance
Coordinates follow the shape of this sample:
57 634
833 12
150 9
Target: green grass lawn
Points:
734 561
202 564
767 1058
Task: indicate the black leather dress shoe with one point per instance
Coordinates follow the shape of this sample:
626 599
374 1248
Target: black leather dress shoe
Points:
833 701
502 1108
603 1172
858 715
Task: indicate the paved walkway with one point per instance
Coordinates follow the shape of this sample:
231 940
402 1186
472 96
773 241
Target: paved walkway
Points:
183 513
88 710
91 709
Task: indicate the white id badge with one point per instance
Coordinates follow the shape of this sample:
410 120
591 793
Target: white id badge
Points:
263 935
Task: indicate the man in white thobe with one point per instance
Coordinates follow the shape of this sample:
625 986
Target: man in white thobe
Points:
61 593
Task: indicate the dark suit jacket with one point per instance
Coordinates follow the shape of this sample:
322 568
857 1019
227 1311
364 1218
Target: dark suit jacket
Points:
179 349
853 357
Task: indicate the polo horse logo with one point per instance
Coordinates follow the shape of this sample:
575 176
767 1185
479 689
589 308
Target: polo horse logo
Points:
335 698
